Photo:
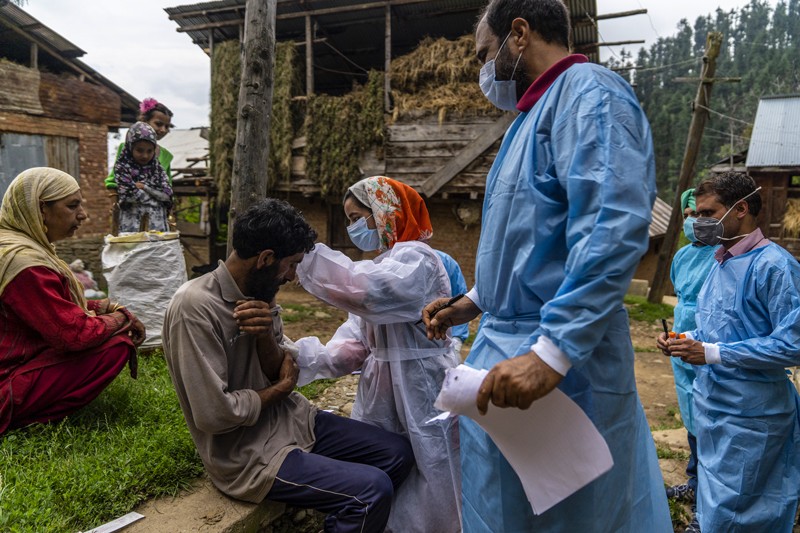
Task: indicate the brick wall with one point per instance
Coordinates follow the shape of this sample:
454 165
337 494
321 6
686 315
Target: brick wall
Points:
93 148
67 98
88 250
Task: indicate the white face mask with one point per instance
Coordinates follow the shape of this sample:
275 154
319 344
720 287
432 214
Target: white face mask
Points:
501 93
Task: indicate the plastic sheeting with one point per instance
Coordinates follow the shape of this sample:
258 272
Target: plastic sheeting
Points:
143 271
401 370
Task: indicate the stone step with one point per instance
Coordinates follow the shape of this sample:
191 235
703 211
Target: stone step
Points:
203 508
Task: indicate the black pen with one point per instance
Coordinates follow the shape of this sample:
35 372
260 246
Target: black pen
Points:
450 302
666 329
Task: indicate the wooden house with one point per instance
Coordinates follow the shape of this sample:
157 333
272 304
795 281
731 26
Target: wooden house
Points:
57 111
445 155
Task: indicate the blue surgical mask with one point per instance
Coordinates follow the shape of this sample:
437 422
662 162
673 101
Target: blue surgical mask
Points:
364 238
710 231
688 228
501 93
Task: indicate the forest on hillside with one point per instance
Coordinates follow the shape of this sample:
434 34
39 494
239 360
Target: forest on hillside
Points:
761 45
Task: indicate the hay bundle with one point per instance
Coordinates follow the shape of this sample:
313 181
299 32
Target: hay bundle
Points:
439 76
791 220
436 62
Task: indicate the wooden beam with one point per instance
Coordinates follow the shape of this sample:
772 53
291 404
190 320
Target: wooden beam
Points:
34 56
621 14
204 12
467 155
309 57
690 154
387 60
591 46
299 14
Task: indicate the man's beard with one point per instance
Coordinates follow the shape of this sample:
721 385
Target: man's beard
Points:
263 284
504 68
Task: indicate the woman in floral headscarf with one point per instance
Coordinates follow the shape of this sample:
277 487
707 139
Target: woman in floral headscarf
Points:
142 185
57 351
401 370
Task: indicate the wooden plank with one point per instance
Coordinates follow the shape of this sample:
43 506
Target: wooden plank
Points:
425 148
434 132
466 156
431 165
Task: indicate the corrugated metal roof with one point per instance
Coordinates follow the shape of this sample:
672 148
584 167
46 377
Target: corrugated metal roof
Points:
662 212
775 141
27 23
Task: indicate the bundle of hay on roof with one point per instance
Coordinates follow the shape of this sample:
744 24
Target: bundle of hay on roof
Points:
439 76
791 220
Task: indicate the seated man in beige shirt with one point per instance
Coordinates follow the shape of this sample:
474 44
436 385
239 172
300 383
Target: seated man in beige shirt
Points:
257 438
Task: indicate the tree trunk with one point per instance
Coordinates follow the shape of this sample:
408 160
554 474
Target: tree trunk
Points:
251 155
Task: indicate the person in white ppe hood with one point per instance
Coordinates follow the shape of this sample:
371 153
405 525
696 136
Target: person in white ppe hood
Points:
402 370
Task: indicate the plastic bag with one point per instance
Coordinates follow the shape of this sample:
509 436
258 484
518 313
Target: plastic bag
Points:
143 271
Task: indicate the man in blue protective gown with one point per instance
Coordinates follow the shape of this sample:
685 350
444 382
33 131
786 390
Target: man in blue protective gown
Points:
690 268
565 221
748 332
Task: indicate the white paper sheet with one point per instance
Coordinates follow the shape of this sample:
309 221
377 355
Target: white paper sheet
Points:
554 448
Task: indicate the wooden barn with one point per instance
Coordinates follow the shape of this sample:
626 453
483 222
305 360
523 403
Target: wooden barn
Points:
412 64
57 111
773 160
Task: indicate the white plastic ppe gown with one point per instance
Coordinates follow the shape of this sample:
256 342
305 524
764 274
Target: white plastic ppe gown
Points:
746 408
401 370
565 221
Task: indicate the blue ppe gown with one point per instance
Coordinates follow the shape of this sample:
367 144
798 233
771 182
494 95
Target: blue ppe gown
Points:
565 221
745 408
690 268
458 285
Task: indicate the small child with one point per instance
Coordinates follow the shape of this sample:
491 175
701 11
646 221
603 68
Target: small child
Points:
159 117
144 192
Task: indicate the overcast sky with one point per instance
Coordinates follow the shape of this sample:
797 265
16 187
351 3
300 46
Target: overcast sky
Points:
135 45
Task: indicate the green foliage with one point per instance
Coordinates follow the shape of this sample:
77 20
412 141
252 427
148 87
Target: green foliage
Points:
338 131
641 310
226 71
284 120
760 45
130 444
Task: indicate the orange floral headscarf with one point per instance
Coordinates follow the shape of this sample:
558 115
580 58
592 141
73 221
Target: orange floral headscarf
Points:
400 212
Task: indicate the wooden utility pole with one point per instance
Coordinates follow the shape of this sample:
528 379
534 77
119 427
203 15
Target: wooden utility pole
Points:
251 154
699 117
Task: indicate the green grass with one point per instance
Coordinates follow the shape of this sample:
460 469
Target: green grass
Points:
296 312
665 452
130 444
642 310
315 388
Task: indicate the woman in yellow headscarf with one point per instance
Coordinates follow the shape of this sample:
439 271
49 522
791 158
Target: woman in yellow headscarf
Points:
57 351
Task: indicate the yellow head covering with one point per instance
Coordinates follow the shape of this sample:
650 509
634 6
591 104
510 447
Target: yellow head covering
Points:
23 240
